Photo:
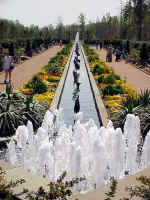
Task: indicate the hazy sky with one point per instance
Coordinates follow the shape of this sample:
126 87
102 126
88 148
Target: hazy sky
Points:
44 12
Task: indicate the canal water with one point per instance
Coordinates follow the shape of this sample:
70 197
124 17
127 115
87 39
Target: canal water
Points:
70 93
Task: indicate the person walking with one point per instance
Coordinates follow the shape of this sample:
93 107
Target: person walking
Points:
7 66
109 54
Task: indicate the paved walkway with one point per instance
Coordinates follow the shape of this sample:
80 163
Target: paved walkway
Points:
23 72
135 77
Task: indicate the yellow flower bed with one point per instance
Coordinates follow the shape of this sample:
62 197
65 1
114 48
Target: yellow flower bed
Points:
51 82
129 90
117 98
56 78
113 102
47 96
96 77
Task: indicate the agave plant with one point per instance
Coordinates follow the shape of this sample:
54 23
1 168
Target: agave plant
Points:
16 110
10 115
33 111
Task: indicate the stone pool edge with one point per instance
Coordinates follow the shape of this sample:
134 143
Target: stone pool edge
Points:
57 97
102 113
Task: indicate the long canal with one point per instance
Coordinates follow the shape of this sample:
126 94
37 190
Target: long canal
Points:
78 98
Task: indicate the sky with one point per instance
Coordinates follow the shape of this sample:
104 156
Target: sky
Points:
45 12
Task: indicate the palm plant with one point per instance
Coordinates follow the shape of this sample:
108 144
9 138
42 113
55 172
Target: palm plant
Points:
128 106
144 97
138 106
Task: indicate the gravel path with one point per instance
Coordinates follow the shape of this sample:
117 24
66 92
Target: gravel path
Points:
135 77
23 72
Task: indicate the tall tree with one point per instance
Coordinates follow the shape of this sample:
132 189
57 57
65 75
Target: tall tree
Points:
140 10
82 22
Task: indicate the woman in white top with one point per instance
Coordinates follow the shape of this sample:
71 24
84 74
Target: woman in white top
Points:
6 66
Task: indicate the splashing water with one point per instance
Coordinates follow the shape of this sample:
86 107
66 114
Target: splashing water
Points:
81 150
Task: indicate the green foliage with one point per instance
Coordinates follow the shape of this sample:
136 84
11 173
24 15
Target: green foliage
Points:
110 79
129 106
112 90
108 90
139 106
144 97
140 191
16 110
98 70
56 64
101 79
92 59
54 69
6 188
37 85
144 52
117 77
118 89
135 55
113 188
57 190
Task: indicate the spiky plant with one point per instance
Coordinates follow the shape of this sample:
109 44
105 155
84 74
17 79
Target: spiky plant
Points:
144 97
128 106
10 115
33 111
16 110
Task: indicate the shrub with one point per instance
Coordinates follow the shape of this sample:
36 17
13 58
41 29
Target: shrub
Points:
118 89
144 52
92 58
117 77
110 79
112 90
135 54
37 85
101 79
98 70
6 192
108 90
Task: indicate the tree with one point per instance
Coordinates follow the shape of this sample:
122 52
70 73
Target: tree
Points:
140 10
82 21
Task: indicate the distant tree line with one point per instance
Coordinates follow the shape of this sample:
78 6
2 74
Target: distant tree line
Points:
132 24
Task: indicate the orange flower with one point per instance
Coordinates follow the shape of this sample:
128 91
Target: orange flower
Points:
27 91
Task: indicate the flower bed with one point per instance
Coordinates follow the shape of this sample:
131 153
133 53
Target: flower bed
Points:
43 85
113 89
